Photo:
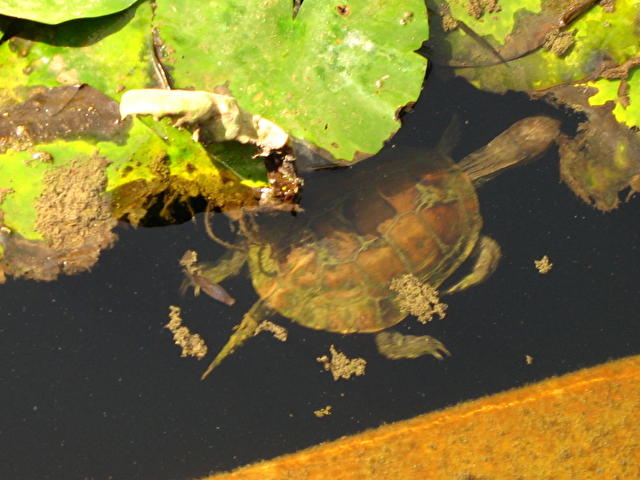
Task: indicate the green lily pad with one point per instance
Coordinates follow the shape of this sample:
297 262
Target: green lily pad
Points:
111 54
492 19
57 11
153 156
334 76
624 93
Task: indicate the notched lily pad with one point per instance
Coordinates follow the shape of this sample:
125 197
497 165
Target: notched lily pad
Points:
551 42
58 11
475 33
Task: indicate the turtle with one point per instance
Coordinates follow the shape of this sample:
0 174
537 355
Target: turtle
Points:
331 267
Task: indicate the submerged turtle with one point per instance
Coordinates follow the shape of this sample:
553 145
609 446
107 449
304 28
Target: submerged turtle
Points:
331 267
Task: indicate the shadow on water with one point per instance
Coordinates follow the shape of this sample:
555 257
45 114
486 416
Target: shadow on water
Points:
92 386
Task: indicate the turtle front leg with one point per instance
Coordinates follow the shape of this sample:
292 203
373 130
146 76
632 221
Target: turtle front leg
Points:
245 330
487 254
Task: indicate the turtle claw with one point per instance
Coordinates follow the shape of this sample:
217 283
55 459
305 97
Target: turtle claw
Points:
243 331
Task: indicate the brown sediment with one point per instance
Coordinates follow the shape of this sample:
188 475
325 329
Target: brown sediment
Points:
559 42
581 425
74 214
477 8
74 217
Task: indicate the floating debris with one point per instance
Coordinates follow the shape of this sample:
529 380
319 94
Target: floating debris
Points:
278 331
323 412
192 344
342 366
543 265
417 298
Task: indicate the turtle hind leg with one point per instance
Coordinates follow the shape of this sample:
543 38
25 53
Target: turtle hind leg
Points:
487 255
243 331
395 345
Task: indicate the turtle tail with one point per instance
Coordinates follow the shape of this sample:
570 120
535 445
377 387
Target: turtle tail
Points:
243 331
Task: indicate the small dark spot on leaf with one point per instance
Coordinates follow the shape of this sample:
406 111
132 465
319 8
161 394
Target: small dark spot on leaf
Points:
326 126
126 170
343 10
335 145
406 18
190 168
20 46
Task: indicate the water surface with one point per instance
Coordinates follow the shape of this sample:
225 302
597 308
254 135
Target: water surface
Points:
93 388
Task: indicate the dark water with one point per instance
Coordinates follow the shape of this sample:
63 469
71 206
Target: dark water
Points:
92 387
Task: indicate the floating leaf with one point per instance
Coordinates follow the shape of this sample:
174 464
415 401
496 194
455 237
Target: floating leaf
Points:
624 93
333 76
604 157
110 54
58 11
599 38
63 184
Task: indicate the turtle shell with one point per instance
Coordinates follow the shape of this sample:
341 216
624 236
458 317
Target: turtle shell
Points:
333 269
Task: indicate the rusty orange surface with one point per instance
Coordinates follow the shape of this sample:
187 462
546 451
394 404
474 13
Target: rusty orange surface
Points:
584 425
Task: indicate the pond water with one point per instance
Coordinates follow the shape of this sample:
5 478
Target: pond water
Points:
92 386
